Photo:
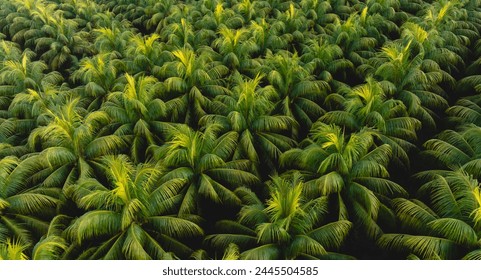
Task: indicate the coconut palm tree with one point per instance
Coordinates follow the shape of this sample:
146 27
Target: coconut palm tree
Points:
368 106
180 32
351 171
24 211
53 244
145 54
287 226
64 46
217 15
11 250
465 111
20 73
67 148
26 23
252 10
294 23
191 79
357 45
299 92
99 76
136 114
160 10
324 59
321 12
235 46
453 150
245 115
414 80
269 36
447 226
129 216
202 161
25 90
111 36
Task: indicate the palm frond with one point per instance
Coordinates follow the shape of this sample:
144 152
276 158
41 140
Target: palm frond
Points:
304 244
473 255
411 215
264 252
175 227
331 236
133 244
95 224
455 230
426 247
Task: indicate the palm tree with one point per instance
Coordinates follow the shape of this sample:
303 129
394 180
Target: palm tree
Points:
145 54
160 11
99 77
218 16
12 250
381 19
433 44
269 36
357 45
413 80
53 244
26 21
451 22
321 12
235 46
69 146
453 150
20 73
299 92
201 160
8 8
324 59
64 46
180 33
447 226
29 110
368 106
83 11
465 111
244 115
191 79
294 23
24 211
136 114
25 90
351 171
252 10
287 227
231 253
129 216
111 36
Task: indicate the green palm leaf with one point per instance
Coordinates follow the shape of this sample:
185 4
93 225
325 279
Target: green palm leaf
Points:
426 247
331 236
264 252
94 224
473 255
175 227
455 230
304 244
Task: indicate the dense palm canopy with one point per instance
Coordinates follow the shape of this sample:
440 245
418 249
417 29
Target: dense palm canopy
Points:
240 129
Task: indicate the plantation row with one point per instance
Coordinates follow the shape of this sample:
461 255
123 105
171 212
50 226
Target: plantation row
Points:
240 129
